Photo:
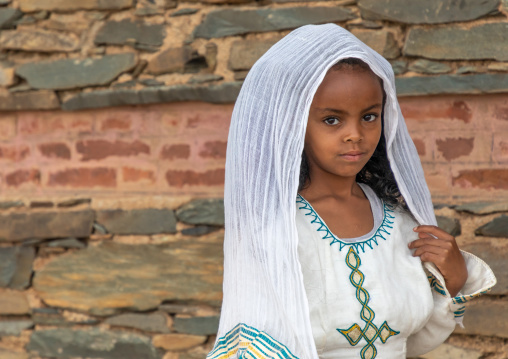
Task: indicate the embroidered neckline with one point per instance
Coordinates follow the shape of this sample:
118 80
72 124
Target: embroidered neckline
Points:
381 232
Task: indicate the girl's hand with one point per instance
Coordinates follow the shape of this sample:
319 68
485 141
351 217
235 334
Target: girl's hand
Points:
436 246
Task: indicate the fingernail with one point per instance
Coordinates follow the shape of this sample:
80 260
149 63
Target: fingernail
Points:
414 229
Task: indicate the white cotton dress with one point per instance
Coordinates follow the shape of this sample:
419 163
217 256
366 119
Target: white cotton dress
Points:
369 297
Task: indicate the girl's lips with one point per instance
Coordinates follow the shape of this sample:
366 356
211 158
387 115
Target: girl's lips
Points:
352 155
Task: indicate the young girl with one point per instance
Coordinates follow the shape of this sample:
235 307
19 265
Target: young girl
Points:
331 248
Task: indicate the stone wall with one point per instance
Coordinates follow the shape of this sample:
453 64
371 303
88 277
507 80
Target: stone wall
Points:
113 127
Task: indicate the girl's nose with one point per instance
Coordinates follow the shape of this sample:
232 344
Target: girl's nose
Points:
353 134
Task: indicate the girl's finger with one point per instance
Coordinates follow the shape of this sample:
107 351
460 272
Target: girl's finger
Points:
435 231
435 242
427 249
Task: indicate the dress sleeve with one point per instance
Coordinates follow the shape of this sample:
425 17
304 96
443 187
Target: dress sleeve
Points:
449 311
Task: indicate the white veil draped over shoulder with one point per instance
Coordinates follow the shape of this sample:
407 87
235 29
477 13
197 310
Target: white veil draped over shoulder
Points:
265 308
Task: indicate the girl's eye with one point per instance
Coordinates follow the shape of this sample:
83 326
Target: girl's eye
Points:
332 121
369 118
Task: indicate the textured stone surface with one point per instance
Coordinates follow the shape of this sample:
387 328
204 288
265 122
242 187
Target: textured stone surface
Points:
198 230
381 41
452 84
52 316
134 33
196 325
498 227
154 322
94 343
221 93
486 318
38 40
449 351
495 256
180 59
13 303
8 354
244 53
16 266
65 5
14 327
8 17
454 42
450 225
33 100
19 226
483 207
399 67
426 12
110 277
67 243
429 67
184 11
69 74
7 76
177 341
204 78
227 22
138 221
202 211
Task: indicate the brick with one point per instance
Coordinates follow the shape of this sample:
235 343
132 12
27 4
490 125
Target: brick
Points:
453 148
19 177
56 150
84 177
178 151
176 178
482 179
7 127
500 147
14 152
438 179
214 149
420 146
100 149
121 124
54 123
178 342
130 174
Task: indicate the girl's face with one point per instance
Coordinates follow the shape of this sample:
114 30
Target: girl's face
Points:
344 125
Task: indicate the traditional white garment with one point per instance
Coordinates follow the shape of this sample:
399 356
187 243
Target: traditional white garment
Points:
368 296
265 309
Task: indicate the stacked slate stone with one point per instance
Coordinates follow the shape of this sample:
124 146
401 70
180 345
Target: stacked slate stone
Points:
87 54
78 279
109 283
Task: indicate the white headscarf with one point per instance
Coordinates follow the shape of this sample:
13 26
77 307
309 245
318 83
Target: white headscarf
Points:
264 295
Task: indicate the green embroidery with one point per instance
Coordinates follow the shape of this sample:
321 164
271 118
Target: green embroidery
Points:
370 331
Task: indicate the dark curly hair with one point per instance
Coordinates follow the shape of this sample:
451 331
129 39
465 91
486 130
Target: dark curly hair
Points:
376 173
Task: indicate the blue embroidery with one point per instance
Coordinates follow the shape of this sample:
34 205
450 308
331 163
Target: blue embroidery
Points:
459 312
382 231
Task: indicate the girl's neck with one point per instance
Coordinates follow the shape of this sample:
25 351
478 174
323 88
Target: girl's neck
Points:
339 188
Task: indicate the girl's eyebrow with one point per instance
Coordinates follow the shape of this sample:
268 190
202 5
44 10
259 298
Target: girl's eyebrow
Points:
335 110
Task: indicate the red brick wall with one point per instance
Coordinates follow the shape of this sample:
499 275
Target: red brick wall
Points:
180 148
